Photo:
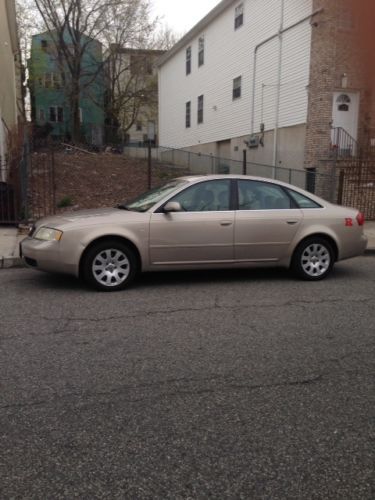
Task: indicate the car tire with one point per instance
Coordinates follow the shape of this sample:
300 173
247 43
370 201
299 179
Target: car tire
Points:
109 265
313 259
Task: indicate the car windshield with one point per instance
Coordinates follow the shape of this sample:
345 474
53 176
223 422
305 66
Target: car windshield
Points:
146 200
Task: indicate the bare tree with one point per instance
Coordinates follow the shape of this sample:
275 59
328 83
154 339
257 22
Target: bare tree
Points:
132 75
165 38
74 25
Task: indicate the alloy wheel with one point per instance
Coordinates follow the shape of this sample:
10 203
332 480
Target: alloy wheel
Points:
315 260
110 267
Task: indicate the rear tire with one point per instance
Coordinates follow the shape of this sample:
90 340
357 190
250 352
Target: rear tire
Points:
313 259
109 265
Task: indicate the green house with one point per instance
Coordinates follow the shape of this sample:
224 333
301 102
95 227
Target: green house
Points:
49 89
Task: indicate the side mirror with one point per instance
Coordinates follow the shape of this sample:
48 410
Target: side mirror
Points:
172 206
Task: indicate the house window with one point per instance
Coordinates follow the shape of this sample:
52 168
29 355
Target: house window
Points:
47 80
140 64
56 114
56 80
43 44
139 126
201 51
52 114
200 109
188 115
237 87
42 115
80 115
343 102
238 16
188 60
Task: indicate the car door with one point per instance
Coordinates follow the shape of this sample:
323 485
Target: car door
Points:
266 221
202 233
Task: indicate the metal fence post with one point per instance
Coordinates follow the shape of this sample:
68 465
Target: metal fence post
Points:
333 182
53 181
244 162
341 187
149 165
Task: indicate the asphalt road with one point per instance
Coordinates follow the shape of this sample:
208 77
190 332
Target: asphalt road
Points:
245 384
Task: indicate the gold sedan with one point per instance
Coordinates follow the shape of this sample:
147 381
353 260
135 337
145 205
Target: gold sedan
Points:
200 222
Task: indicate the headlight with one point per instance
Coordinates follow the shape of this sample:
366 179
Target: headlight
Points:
48 234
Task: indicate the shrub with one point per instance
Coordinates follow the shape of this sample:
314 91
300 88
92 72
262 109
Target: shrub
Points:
66 201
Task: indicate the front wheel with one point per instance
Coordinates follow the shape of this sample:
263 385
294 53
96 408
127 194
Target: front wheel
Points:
313 259
109 265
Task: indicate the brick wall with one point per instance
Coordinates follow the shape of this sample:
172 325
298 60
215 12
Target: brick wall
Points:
337 49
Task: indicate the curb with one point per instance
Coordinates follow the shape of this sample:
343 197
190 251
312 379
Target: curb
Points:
8 262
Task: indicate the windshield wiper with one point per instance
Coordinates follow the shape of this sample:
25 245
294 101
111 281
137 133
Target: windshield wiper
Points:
122 206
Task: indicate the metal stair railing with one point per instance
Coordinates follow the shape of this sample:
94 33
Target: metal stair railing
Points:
343 145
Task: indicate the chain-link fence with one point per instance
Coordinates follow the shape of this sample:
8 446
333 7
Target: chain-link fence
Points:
188 162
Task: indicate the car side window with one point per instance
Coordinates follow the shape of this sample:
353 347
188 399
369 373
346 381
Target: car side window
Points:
303 201
206 196
257 195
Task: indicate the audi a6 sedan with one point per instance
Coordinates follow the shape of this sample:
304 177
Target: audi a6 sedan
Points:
200 222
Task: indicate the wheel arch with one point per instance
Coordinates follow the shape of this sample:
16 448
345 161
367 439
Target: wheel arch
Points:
111 237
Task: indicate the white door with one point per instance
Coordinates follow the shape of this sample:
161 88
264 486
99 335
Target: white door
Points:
345 115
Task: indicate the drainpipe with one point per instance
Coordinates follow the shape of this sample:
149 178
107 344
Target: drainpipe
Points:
280 32
278 90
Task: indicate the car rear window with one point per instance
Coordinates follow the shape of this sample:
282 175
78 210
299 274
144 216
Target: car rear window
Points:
303 201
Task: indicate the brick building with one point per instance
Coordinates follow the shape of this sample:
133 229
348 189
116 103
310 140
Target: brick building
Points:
341 89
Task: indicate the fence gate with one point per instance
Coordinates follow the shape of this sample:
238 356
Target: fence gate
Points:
11 193
40 185
357 186
27 190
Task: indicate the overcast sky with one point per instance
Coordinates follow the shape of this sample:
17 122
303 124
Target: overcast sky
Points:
181 15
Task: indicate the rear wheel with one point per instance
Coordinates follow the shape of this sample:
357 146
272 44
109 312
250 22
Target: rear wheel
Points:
313 259
109 265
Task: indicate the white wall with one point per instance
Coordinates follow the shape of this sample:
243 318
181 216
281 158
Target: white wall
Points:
230 53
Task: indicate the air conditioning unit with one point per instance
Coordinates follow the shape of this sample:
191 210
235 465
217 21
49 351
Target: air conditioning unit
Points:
253 141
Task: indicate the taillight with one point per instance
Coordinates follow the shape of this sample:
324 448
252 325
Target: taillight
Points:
360 219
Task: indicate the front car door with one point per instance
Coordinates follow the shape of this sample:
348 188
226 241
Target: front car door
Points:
266 222
202 233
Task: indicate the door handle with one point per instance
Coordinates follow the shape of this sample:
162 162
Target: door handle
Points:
226 223
291 222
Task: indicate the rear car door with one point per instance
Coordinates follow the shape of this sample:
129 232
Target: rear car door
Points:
266 222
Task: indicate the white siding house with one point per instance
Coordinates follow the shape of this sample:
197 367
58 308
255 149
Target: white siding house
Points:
270 51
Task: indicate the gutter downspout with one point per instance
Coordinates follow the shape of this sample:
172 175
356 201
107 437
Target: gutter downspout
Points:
278 90
264 42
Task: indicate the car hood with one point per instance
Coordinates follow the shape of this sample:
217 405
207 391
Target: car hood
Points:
90 217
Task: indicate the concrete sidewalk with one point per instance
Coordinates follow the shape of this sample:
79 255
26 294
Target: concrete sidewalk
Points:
11 236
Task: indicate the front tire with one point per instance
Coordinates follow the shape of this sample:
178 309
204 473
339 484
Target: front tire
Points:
313 259
109 266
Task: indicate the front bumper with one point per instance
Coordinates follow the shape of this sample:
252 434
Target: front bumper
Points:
46 256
